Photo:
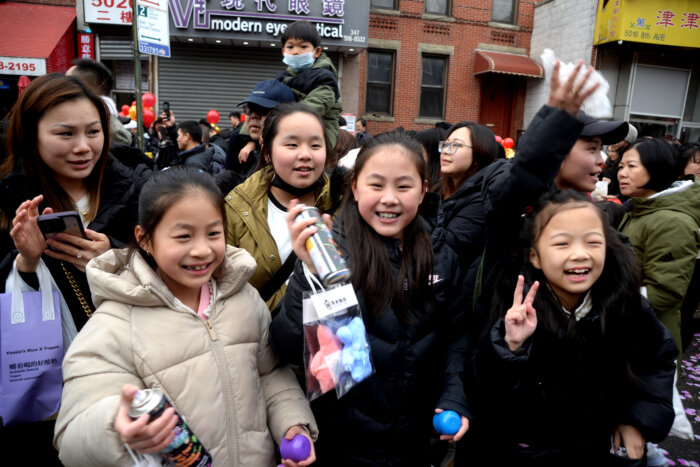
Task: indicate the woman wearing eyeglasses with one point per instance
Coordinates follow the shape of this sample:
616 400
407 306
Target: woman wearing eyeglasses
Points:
467 149
241 156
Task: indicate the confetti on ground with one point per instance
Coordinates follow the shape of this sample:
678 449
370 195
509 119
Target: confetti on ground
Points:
680 451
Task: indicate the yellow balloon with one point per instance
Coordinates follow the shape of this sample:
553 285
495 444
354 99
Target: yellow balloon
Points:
132 112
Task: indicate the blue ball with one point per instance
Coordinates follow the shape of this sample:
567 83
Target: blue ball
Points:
447 422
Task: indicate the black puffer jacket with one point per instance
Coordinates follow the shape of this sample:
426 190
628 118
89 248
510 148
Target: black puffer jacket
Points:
509 187
387 419
557 401
200 157
116 218
465 220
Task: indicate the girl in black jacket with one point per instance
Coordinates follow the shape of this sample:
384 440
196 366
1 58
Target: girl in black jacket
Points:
581 366
408 291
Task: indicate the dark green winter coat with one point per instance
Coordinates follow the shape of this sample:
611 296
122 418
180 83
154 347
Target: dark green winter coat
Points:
664 233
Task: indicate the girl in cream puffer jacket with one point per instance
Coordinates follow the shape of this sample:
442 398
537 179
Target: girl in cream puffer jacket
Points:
214 364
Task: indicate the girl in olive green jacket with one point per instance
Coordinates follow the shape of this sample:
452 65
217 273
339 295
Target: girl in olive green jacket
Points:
294 152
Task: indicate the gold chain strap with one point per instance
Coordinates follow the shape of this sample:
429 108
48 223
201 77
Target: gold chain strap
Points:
78 293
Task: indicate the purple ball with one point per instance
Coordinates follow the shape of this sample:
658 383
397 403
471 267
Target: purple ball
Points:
447 422
296 449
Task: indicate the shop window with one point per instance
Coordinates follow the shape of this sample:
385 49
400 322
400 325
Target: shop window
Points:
388 4
504 11
380 82
432 89
659 92
438 7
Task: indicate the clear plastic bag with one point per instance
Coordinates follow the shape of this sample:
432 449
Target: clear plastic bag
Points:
336 350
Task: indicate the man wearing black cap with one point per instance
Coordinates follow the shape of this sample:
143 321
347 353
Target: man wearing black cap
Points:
583 164
242 156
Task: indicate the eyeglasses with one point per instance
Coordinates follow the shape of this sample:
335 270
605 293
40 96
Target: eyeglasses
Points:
250 109
451 147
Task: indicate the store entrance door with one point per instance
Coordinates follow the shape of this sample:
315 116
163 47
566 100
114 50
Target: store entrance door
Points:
496 107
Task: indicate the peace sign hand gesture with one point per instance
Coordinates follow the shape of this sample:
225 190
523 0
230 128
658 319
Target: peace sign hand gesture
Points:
521 318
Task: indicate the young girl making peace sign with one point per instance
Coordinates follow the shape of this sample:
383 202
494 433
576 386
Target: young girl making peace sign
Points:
581 365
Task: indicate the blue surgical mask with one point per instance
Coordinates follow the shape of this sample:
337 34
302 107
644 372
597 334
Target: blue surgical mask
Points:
299 62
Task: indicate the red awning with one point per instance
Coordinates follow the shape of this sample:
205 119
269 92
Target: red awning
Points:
510 64
31 30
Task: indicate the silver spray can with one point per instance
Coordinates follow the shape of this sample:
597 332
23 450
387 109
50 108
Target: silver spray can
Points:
185 450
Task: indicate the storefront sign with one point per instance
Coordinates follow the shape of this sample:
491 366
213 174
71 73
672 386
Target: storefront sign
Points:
338 22
108 11
667 22
22 66
349 122
86 45
153 28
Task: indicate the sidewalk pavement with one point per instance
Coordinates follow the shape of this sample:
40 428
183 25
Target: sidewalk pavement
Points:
680 452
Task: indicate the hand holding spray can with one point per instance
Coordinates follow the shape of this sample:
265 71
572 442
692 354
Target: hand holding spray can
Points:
185 449
323 250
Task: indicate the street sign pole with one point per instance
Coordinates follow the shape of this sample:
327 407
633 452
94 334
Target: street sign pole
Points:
137 76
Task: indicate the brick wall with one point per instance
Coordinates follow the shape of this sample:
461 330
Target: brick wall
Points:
467 27
566 27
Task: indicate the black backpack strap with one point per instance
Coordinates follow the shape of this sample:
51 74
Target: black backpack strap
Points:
276 281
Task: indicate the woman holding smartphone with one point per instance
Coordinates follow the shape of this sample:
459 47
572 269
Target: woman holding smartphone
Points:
57 161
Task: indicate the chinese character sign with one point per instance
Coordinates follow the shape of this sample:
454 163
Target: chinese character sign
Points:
690 20
665 18
299 7
671 22
266 20
333 7
108 11
86 45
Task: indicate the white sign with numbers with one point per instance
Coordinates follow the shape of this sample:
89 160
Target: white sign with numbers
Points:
22 66
108 11
153 27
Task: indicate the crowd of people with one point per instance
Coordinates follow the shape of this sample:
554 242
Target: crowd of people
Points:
495 288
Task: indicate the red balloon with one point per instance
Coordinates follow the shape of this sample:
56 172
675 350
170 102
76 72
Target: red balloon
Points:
213 116
508 143
125 109
149 117
499 140
148 99
133 103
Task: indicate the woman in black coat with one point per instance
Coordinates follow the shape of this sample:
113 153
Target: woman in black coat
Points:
468 148
58 140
